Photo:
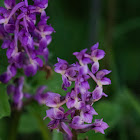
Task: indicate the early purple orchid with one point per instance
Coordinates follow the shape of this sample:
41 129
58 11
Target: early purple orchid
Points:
80 100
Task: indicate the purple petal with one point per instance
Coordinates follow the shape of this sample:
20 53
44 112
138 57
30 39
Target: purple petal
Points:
9 52
97 93
61 61
39 61
41 89
70 103
2 20
99 129
100 126
9 4
49 39
95 67
83 70
66 129
71 72
27 95
79 126
10 28
58 114
5 44
49 113
10 89
43 43
30 70
66 82
86 117
105 81
46 54
53 124
103 94
86 60
54 113
100 74
98 54
80 55
48 30
5 77
92 111
53 99
94 47
77 120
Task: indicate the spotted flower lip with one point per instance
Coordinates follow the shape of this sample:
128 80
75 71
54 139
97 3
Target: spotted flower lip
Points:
98 93
25 39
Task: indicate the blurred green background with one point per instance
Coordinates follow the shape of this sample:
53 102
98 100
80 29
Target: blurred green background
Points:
79 24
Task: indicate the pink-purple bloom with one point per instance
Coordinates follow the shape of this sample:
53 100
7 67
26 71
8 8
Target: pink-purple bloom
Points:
20 96
24 38
17 92
80 100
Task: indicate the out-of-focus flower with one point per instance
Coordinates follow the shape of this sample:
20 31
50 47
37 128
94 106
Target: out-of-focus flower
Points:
24 38
17 93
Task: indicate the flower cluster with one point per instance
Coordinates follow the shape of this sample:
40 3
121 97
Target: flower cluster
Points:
24 38
20 98
80 100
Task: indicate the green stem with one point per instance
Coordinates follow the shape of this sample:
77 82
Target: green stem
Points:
74 137
13 125
43 128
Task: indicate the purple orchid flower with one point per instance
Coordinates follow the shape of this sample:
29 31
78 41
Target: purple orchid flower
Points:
100 126
96 54
98 93
102 80
80 100
58 120
87 113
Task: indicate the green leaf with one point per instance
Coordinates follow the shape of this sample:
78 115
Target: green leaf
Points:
128 101
2 3
57 135
91 135
28 123
39 112
4 104
3 128
126 27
